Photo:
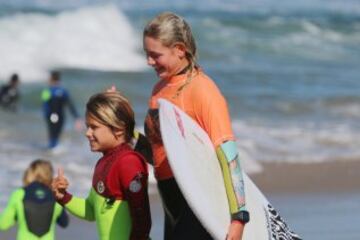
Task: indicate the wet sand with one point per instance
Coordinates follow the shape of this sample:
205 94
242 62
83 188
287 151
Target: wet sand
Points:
309 178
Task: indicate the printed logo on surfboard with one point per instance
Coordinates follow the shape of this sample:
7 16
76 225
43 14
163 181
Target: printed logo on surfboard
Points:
278 229
182 129
179 123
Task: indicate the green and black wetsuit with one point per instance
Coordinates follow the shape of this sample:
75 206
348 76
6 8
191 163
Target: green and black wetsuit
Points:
35 211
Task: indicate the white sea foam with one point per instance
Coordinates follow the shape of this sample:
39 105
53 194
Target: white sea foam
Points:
352 110
260 6
298 143
99 38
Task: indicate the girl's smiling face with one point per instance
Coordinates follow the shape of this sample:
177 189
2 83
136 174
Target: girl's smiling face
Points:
101 137
167 61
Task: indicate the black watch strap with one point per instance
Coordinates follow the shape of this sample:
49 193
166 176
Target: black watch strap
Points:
242 216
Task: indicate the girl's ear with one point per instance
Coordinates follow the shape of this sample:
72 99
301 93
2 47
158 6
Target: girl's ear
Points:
180 50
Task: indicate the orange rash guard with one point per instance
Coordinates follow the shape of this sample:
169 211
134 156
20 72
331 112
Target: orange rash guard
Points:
201 100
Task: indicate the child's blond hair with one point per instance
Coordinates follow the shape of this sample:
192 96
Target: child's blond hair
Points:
113 110
40 171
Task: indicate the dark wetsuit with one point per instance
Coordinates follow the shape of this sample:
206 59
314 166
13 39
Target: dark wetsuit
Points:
55 98
35 210
9 96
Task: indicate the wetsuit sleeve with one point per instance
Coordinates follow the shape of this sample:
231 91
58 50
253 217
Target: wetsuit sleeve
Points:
63 219
8 216
79 207
71 105
134 182
213 115
229 160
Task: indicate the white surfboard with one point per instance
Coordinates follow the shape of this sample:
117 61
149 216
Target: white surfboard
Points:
196 168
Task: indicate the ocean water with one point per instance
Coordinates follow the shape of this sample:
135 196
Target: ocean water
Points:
289 70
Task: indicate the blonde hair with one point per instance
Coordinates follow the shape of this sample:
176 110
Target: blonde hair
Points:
171 29
113 110
40 171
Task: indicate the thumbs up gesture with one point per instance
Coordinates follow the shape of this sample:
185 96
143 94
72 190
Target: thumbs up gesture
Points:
59 184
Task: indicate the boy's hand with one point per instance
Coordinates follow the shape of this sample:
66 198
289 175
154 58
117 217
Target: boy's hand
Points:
59 184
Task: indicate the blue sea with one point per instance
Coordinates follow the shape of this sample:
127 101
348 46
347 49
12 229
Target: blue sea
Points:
290 71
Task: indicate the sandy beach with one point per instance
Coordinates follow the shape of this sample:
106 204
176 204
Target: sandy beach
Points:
310 197
339 176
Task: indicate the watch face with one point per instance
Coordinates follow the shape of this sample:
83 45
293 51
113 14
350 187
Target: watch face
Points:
242 216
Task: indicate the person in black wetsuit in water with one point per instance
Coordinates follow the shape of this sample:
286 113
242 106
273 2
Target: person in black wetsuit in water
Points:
9 94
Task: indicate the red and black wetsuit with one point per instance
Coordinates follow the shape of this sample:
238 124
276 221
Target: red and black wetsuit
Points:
120 176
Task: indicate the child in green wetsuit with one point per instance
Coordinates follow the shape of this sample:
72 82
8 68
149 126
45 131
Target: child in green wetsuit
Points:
33 206
118 200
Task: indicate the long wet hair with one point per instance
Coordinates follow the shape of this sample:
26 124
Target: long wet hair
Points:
113 110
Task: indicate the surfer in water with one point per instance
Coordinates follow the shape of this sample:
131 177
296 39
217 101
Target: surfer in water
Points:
55 98
118 200
171 50
10 94
33 207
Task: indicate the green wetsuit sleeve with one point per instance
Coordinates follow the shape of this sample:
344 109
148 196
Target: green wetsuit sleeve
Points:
8 216
81 208
229 160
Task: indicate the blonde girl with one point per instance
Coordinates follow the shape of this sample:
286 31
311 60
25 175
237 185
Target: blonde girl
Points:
33 206
171 51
